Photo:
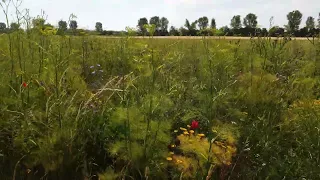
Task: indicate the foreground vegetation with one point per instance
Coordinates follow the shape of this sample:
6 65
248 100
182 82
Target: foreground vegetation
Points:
88 107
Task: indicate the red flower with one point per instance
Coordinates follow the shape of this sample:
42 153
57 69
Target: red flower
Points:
24 84
194 124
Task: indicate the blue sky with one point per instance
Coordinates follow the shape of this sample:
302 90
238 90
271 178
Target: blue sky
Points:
117 14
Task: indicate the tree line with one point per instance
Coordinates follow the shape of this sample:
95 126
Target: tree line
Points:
248 26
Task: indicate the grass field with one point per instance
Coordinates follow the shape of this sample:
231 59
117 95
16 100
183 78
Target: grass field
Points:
213 37
158 108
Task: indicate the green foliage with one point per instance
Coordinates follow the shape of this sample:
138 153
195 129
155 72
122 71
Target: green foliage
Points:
155 20
250 21
141 25
99 27
74 107
73 25
294 20
236 22
213 24
310 24
203 22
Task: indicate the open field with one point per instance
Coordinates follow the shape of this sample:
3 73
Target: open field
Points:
157 108
211 37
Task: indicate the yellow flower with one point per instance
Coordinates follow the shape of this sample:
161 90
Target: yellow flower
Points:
183 129
191 131
169 158
188 126
179 161
171 153
220 144
173 145
215 131
185 133
201 135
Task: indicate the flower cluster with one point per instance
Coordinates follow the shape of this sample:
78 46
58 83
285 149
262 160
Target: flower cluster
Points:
192 150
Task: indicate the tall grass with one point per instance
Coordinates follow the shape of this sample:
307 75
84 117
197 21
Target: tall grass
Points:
79 107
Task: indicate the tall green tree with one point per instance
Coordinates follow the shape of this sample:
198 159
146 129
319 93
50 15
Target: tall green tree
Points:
310 23
236 22
213 24
294 20
141 25
203 22
250 21
99 27
73 25
156 21
164 22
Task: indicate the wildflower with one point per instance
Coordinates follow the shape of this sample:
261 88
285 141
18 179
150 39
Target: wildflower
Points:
188 126
169 158
175 131
201 135
173 145
194 124
24 84
191 131
185 133
172 153
179 161
93 72
215 131
91 67
98 65
183 129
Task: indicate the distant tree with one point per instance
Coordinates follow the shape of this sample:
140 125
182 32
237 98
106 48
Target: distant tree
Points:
156 21
38 23
213 24
63 26
310 24
73 25
141 25
319 21
264 32
192 28
250 21
183 31
236 22
203 22
164 26
276 31
225 30
3 27
303 32
294 20
99 27
14 26
173 31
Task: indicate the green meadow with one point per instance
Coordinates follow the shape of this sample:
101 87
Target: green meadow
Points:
86 107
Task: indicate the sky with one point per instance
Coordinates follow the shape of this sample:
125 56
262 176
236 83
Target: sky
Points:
118 14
